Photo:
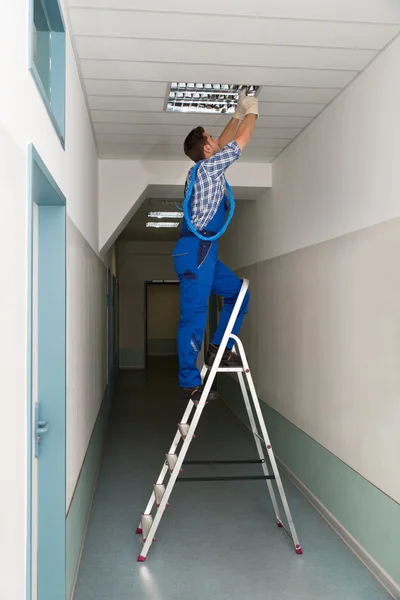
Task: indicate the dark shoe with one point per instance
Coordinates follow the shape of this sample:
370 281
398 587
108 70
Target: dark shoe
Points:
229 359
194 394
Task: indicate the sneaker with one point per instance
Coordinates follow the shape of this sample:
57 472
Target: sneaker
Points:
229 359
195 393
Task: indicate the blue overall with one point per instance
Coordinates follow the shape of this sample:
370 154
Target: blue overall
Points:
201 273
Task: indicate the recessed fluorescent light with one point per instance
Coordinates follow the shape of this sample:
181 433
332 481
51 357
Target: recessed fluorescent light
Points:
159 224
165 215
205 97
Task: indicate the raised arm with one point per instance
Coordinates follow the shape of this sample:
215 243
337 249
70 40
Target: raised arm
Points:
245 130
250 106
229 132
247 109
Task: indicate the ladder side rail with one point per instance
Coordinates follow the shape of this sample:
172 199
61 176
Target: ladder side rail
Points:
259 446
164 469
229 327
267 442
173 476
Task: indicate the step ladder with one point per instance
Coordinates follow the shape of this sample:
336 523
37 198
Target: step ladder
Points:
186 432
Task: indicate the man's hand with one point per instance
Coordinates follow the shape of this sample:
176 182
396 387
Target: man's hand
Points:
240 111
250 105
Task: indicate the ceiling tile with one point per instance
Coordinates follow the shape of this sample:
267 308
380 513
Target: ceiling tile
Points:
210 53
141 89
141 71
109 150
228 28
183 130
121 103
174 142
124 103
363 11
110 116
166 140
297 94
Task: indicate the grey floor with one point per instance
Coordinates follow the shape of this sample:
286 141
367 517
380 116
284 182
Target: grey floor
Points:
217 541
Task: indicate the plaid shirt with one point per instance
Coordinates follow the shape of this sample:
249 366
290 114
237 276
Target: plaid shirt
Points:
209 186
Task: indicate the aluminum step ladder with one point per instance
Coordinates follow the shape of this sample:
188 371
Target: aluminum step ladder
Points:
186 432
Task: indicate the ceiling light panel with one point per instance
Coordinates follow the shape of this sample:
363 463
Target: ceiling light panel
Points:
217 98
165 215
159 224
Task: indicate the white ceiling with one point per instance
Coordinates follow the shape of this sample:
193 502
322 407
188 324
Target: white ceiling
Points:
303 53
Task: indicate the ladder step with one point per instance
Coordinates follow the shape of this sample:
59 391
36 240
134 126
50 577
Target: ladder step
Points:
183 429
250 461
230 478
171 460
146 522
159 491
230 370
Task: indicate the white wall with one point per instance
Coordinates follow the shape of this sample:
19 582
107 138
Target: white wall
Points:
86 347
138 262
326 278
23 119
122 184
13 366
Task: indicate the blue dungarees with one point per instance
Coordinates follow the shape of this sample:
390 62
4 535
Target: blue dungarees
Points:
200 273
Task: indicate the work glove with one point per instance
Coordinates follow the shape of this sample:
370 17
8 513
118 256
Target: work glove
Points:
250 105
240 111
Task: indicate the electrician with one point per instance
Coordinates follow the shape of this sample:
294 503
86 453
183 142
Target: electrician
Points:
195 260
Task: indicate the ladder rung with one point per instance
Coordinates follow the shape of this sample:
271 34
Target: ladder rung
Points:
146 522
230 370
171 460
159 491
230 478
183 429
225 462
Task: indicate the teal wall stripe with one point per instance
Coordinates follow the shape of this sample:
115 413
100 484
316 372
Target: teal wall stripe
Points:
371 517
78 512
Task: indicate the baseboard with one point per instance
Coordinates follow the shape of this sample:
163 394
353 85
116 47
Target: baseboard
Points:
379 573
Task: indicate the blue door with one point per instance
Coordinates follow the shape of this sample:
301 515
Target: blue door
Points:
46 386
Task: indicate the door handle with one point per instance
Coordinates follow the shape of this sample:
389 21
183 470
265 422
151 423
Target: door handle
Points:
41 427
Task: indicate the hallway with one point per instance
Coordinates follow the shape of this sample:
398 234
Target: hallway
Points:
218 541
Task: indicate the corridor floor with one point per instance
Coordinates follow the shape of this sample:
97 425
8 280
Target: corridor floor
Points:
218 540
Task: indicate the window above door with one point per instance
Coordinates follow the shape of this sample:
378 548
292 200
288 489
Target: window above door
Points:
47 59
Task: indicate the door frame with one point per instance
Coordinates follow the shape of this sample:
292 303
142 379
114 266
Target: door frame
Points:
51 341
146 284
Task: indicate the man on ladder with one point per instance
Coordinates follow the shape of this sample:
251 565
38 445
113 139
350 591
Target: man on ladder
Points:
200 272
196 260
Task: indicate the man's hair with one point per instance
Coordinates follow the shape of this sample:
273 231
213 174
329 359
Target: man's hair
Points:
194 144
